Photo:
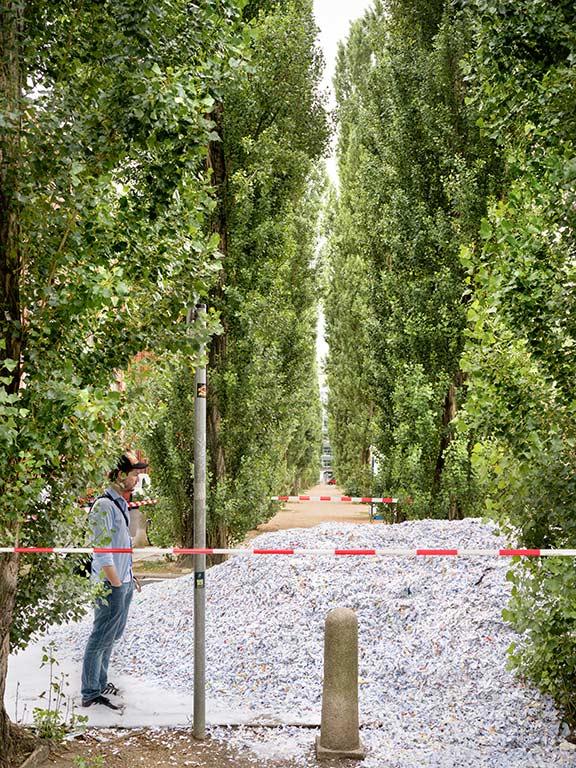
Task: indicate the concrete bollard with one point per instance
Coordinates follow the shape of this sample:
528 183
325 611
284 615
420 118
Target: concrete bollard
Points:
340 730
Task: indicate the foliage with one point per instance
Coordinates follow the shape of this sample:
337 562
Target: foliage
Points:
105 120
50 722
542 607
263 401
89 762
274 129
171 449
521 337
414 173
348 324
457 213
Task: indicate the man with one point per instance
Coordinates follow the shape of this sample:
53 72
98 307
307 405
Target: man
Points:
110 524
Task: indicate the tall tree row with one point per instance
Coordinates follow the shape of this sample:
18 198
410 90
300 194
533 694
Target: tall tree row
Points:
263 400
521 350
105 122
414 174
457 213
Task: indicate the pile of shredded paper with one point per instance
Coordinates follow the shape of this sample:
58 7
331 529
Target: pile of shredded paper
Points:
434 689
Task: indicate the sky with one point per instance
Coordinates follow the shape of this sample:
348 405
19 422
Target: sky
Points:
333 18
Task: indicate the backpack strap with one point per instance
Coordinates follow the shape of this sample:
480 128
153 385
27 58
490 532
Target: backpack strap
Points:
106 495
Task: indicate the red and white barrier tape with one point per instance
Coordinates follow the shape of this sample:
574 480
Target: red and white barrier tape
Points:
367 552
131 504
144 503
352 499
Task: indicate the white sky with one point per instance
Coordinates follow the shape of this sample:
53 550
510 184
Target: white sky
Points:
333 17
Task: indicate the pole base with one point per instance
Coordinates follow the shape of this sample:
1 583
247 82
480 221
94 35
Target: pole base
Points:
322 753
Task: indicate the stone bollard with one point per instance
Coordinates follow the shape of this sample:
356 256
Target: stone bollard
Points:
339 730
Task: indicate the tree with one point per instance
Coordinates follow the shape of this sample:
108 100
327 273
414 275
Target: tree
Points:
274 127
414 175
263 401
349 319
521 341
11 77
105 122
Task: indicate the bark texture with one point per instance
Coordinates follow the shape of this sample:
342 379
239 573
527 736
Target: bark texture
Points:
448 414
8 582
10 253
11 78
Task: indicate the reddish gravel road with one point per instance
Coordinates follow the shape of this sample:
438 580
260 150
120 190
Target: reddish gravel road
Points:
307 514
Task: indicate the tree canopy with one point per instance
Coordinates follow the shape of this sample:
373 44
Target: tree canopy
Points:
451 263
414 173
263 399
104 198
155 155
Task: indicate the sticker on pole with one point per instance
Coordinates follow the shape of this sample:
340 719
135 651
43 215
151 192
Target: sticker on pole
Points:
199 579
201 390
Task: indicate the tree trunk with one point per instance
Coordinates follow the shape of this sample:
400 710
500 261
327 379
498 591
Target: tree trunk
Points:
448 414
11 78
186 522
8 582
216 458
10 255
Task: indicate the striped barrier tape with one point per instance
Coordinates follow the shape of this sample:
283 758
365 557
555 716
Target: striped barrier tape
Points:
144 503
131 504
352 499
390 552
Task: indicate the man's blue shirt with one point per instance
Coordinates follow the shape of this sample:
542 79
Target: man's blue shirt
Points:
110 528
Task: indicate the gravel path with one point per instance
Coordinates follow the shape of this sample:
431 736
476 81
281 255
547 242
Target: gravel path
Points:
307 514
434 689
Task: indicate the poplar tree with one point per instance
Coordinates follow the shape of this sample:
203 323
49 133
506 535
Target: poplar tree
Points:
521 344
104 127
414 174
263 408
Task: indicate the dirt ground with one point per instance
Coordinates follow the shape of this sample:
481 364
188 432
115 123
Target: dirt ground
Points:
307 514
149 748
174 748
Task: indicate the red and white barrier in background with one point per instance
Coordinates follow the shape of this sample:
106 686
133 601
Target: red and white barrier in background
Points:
389 552
352 499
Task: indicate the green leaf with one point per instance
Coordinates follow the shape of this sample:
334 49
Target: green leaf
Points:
485 229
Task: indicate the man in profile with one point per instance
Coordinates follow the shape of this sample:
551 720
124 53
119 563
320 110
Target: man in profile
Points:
109 521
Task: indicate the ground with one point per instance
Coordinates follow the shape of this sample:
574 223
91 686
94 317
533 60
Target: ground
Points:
156 747
159 748
149 748
304 514
24 743
307 514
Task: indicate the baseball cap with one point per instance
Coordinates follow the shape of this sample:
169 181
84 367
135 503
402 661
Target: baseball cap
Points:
129 461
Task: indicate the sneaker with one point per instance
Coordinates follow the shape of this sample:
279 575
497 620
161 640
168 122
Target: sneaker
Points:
111 690
104 701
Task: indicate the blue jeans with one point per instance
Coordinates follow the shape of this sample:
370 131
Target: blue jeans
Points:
110 615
